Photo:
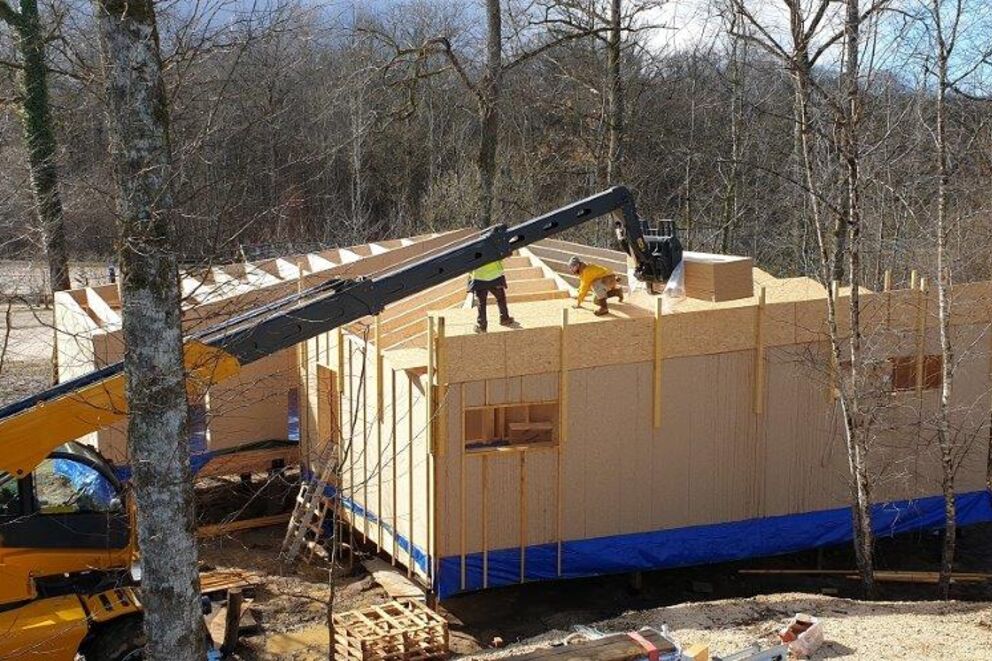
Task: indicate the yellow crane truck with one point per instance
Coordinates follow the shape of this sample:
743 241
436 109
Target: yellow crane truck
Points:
68 553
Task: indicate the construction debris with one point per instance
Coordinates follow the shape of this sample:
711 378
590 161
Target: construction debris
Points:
394 582
803 635
397 631
646 643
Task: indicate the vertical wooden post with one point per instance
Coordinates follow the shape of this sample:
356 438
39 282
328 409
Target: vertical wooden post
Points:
562 434
523 515
393 406
485 521
429 438
913 275
350 493
409 473
887 288
921 334
832 366
657 361
461 488
364 390
759 353
232 620
377 464
440 437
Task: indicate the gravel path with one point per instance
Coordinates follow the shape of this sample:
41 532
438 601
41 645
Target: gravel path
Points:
854 629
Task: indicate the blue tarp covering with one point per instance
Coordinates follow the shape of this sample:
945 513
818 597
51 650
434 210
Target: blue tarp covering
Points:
700 545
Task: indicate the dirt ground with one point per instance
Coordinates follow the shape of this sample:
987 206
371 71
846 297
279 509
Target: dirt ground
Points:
716 605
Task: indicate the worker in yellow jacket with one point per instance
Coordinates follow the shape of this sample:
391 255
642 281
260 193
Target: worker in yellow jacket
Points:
601 280
483 280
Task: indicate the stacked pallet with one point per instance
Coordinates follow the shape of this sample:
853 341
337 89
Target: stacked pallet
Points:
397 631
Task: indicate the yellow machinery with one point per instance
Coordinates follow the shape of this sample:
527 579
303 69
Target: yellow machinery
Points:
66 551
67 533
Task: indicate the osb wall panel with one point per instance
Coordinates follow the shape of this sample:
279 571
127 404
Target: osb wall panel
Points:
711 403
803 469
498 355
253 405
609 343
708 331
697 332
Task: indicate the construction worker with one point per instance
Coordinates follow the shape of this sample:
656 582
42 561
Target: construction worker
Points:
483 280
601 280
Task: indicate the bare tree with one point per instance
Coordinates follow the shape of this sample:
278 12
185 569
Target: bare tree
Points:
138 125
811 40
39 135
615 100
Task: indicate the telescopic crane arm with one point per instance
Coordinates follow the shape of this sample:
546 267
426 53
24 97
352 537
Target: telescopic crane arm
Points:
279 325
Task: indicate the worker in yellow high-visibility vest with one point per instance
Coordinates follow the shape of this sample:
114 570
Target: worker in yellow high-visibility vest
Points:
485 279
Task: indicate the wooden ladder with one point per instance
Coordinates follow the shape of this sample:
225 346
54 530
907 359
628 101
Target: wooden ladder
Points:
305 531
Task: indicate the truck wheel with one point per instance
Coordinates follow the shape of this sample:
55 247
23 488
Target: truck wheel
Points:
123 640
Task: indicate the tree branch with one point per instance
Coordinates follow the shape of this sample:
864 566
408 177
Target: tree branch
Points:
9 16
554 43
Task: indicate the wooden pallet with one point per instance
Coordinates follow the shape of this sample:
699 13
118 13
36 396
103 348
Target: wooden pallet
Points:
404 630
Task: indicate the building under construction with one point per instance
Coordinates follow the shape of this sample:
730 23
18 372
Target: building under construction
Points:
576 445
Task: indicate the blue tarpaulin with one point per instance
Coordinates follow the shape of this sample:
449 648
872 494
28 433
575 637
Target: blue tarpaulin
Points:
699 545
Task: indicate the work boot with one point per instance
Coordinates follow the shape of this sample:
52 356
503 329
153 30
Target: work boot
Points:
507 321
479 328
603 309
617 292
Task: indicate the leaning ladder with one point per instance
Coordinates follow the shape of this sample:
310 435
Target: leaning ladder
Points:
306 525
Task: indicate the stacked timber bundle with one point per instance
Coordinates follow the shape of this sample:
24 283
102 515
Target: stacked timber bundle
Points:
397 631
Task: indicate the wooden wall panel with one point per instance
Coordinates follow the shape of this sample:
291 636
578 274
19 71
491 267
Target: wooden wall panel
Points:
503 500
608 343
800 457
253 405
449 464
541 510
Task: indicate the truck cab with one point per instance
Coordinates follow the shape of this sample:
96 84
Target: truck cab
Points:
66 549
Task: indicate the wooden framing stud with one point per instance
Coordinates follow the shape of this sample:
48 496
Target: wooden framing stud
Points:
523 516
759 354
461 488
921 334
485 521
395 461
379 413
429 434
657 361
887 280
562 435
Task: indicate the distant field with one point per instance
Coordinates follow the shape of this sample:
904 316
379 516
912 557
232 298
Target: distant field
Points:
29 279
26 350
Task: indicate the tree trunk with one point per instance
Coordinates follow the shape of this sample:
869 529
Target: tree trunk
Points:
153 363
731 194
857 433
615 99
490 89
944 313
39 137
